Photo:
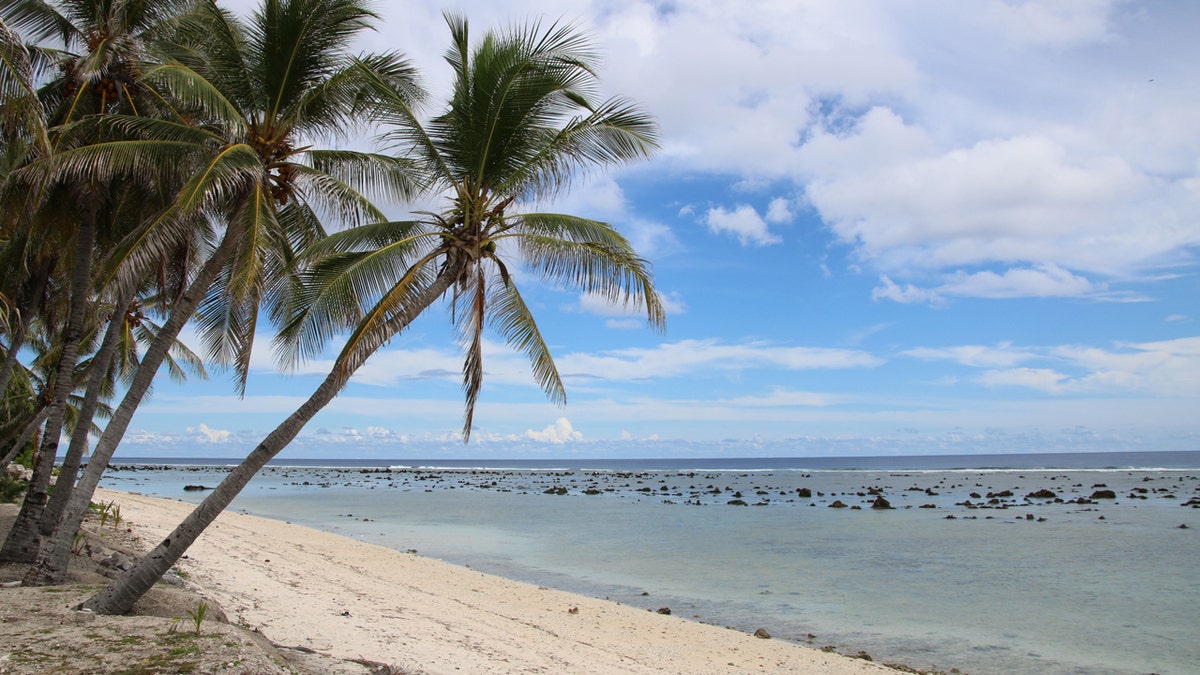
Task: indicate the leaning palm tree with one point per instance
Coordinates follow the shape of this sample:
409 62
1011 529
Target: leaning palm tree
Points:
520 125
98 46
247 100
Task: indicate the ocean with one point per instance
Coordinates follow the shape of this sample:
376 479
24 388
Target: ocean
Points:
1022 563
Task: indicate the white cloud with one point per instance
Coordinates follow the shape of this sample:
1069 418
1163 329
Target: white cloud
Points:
743 222
1000 356
780 211
1048 22
559 432
207 435
1042 379
1044 281
1160 369
704 356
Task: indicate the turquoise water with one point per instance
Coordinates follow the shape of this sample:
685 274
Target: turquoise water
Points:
1026 585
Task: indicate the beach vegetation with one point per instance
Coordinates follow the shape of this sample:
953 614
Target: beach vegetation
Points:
522 122
241 184
198 614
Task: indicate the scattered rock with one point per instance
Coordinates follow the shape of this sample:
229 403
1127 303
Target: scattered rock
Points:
804 493
1041 494
837 504
195 488
1104 494
664 610
762 633
881 504
737 502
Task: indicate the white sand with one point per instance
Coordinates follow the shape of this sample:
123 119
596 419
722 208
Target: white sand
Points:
302 587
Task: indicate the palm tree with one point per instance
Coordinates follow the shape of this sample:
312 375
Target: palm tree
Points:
98 46
248 99
520 126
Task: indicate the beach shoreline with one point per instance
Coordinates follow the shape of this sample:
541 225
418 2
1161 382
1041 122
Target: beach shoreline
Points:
313 590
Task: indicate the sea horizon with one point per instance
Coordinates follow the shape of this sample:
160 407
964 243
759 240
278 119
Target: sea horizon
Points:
1016 461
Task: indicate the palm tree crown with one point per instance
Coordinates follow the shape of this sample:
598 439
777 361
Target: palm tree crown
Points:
520 125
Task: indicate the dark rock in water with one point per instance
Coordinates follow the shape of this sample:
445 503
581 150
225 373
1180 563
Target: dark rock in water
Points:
881 504
591 491
804 492
664 610
1183 526
927 506
737 502
837 504
997 495
1041 494
762 634
555 491
1104 494
195 488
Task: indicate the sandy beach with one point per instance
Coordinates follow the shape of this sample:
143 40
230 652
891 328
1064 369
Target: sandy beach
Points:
304 588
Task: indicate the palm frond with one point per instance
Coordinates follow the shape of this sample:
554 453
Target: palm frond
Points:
347 273
469 315
510 316
606 266
376 175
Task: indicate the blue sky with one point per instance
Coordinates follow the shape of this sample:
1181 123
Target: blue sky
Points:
918 227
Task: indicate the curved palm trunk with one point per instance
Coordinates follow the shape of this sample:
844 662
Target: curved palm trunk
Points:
30 429
119 596
24 538
10 357
65 485
51 565
18 337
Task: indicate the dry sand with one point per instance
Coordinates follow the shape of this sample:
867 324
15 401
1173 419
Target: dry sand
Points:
314 590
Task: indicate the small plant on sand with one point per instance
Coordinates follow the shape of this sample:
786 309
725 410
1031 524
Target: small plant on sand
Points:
115 508
102 509
80 540
198 614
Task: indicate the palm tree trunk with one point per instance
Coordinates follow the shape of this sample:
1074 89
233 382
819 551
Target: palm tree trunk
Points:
51 565
24 538
119 596
42 273
29 430
65 485
10 357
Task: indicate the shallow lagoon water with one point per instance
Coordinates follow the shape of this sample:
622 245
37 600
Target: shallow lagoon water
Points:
1028 585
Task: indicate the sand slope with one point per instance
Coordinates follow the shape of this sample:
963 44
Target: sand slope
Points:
332 594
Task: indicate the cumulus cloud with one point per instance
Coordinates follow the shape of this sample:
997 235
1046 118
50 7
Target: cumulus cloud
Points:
208 435
559 432
743 222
